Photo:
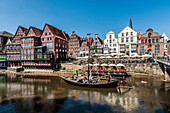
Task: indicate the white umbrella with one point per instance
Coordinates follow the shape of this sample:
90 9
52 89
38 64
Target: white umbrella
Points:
103 64
109 57
116 57
112 65
126 56
102 57
89 64
146 55
120 65
96 64
136 56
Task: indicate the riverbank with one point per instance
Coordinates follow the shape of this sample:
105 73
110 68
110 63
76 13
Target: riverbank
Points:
51 73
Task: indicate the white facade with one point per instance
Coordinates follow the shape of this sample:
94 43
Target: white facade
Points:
165 42
110 43
127 40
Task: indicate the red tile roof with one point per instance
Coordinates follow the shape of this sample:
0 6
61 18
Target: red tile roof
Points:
89 40
24 29
37 31
57 32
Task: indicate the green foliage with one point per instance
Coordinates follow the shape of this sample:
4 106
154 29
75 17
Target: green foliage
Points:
94 48
139 71
74 70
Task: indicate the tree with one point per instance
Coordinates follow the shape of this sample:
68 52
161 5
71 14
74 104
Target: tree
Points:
94 48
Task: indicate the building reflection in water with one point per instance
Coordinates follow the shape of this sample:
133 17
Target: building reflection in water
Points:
31 95
54 95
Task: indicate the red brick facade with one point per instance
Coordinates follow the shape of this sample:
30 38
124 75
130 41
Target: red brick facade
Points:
13 50
56 42
168 47
151 43
74 45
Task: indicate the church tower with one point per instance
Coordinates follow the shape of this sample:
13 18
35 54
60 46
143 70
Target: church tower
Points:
130 23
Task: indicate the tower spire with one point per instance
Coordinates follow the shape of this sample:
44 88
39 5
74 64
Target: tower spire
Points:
130 23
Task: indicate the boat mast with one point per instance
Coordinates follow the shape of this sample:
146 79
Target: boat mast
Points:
88 56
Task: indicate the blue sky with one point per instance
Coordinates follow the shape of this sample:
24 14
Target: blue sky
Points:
86 16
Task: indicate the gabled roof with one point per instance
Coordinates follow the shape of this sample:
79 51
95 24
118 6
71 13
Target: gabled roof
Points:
25 30
37 31
6 34
100 40
90 39
57 32
8 41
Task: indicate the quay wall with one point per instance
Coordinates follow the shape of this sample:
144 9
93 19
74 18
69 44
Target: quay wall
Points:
151 68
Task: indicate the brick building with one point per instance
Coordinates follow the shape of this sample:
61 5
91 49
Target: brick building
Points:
99 45
168 47
84 49
150 43
28 43
74 45
4 36
13 47
56 42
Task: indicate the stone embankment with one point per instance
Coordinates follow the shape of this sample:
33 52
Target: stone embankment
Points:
35 72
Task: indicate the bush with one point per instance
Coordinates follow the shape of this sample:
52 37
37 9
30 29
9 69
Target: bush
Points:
139 71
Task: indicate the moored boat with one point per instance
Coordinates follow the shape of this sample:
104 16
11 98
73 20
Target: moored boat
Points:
102 83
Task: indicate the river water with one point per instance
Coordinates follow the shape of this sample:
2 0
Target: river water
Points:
50 95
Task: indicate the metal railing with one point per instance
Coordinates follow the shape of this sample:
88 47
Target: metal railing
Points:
165 59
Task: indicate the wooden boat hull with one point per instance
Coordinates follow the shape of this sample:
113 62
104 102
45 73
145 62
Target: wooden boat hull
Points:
111 84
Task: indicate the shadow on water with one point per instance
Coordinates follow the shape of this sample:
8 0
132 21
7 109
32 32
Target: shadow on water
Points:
51 95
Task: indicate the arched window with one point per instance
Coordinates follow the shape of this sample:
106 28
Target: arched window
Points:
149 35
110 37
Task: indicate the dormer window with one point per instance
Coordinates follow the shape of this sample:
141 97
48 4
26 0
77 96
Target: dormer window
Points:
149 35
49 33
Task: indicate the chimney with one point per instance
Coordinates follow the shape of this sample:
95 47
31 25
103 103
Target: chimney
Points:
96 35
73 32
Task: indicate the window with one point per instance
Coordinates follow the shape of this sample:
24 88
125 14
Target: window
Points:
49 33
122 40
149 35
56 50
127 46
157 40
110 41
110 37
142 41
46 34
132 38
126 33
50 38
122 34
149 46
142 49
153 40
42 39
31 34
133 47
47 38
157 49
49 46
131 33
127 39
145 40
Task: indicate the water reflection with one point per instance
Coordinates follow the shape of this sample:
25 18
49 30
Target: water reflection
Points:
54 95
